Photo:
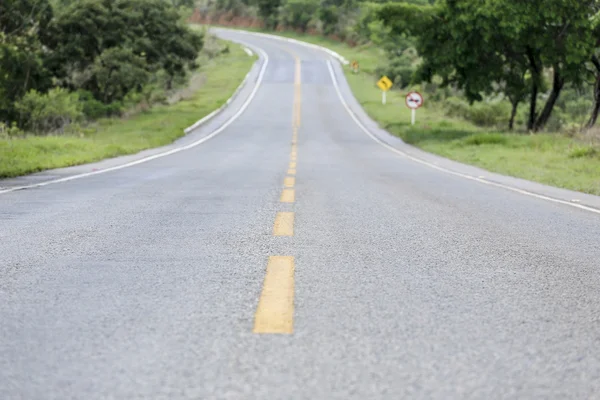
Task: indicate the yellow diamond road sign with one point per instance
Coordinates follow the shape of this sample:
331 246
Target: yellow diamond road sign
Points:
384 83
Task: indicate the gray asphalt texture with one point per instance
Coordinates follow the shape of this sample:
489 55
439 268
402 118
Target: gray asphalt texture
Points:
142 283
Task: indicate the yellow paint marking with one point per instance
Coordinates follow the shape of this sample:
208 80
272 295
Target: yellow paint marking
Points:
288 196
292 165
284 224
275 311
291 172
289 181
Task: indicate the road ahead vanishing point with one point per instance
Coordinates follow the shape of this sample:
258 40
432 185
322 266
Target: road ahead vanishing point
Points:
291 256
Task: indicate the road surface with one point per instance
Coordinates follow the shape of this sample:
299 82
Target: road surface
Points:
291 256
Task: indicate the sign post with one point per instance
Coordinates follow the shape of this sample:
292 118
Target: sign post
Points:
384 84
414 100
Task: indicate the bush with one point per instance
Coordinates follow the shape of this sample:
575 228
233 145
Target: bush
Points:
584 152
481 114
485 138
53 111
455 107
297 14
489 114
8 131
93 109
399 70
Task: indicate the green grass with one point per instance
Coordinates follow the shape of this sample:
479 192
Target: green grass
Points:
158 126
553 159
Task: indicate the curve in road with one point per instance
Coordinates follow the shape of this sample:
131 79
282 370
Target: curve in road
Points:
291 256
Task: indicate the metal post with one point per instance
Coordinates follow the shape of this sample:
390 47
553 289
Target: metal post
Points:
413 116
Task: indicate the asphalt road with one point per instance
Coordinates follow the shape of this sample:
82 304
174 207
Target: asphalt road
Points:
194 276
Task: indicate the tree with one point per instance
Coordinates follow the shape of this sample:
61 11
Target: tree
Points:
297 14
22 27
268 11
482 46
148 33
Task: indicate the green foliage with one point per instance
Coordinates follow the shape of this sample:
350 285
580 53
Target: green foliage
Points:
479 139
9 131
116 72
108 49
297 14
159 126
23 24
94 109
53 111
583 152
268 10
124 41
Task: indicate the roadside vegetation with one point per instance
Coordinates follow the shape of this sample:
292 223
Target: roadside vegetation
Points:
513 88
89 79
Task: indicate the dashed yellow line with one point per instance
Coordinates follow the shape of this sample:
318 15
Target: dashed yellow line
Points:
284 224
289 181
275 311
288 196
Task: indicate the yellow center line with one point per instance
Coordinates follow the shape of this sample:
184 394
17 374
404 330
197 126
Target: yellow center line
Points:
275 311
289 181
284 224
288 196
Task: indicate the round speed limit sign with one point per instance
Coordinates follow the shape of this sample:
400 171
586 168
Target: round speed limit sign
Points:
414 100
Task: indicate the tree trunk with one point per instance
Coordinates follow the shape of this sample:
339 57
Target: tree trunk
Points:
513 114
532 106
596 108
557 85
535 72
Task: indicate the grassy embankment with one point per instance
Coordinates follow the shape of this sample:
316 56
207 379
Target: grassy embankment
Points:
554 159
111 137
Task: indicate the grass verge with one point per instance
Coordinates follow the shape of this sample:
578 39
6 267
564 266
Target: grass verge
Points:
553 159
158 126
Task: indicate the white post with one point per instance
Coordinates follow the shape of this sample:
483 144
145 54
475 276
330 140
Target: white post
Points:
413 116
383 97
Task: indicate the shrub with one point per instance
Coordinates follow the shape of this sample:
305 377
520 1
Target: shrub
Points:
399 70
481 114
485 138
489 114
455 107
53 111
93 109
8 131
584 152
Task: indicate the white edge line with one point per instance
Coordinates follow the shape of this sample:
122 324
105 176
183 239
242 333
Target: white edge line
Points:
218 110
400 152
166 153
248 51
420 161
